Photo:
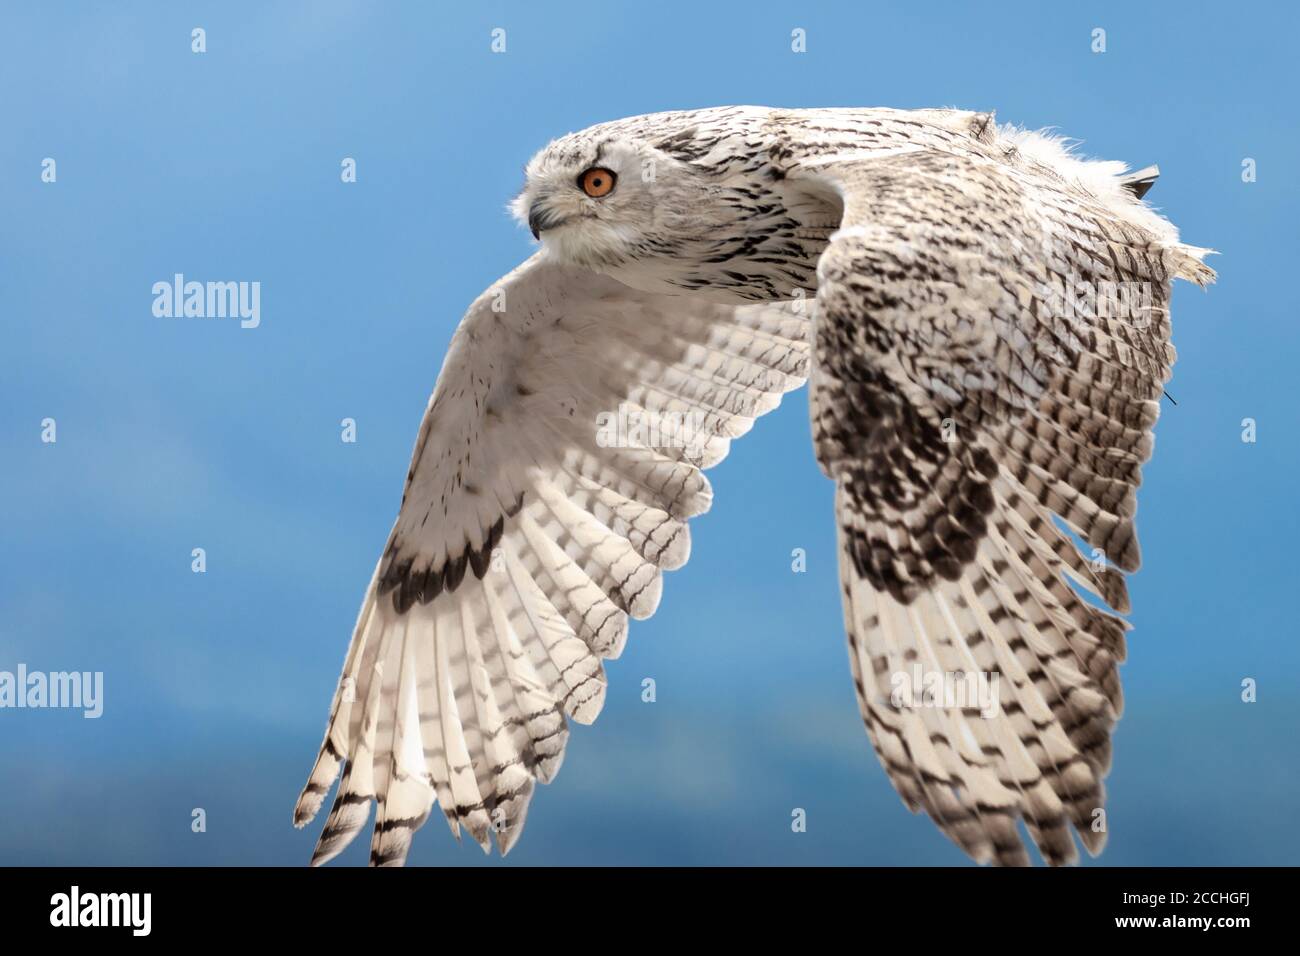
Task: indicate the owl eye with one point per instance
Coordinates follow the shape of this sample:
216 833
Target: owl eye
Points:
597 182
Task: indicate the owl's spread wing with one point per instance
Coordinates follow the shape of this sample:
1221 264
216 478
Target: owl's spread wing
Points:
557 464
966 389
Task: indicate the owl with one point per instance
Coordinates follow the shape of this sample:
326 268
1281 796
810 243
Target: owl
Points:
983 320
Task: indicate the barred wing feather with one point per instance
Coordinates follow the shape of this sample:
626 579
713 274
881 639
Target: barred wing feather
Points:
967 421
558 462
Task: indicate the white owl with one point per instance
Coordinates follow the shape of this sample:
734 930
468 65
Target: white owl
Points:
984 320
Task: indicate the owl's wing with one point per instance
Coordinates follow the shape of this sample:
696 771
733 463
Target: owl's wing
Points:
965 395
557 464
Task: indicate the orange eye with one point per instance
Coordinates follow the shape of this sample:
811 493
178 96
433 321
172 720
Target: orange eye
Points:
597 182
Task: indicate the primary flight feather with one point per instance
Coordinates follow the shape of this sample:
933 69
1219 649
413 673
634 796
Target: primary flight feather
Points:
984 319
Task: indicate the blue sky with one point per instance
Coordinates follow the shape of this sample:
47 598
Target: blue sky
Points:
178 434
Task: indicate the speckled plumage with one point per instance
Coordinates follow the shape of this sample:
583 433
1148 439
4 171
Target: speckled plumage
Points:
922 266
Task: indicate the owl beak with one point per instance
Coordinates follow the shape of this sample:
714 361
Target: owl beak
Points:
540 219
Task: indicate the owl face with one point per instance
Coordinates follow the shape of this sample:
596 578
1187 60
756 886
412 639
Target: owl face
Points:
692 210
585 201
613 203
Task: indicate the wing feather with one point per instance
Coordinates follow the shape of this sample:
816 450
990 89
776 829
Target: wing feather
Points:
558 462
968 420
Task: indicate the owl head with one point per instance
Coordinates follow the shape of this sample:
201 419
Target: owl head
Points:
671 202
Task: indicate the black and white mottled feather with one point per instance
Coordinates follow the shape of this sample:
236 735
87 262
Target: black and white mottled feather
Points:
916 264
